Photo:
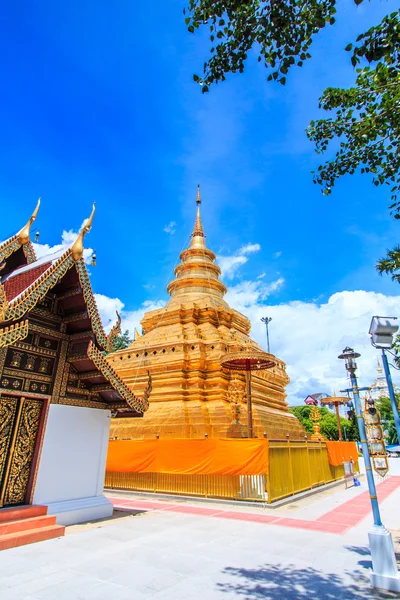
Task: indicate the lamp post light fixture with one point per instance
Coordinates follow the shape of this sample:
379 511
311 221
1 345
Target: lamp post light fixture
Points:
267 321
384 572
382 330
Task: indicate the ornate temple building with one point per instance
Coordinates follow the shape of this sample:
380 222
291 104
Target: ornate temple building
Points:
193 395
57 390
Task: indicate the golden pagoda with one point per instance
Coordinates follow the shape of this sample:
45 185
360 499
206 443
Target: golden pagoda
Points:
193 396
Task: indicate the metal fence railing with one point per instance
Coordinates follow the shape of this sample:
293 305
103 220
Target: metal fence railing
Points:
294 466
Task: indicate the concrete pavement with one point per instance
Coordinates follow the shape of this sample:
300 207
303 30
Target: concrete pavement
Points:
173 554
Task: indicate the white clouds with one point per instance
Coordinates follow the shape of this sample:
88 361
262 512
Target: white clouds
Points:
278 254
230 264
170 228
130 318
308 336
249 249
67 239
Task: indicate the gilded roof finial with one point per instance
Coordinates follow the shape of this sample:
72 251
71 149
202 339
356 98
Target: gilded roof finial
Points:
23 235
198 225
379 366
77 248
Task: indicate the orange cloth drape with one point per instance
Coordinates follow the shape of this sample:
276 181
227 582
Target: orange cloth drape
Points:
204 457
341 451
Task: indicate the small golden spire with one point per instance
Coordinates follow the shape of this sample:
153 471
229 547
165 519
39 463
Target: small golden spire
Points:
198 225
379 366
136 334
23 235
77 248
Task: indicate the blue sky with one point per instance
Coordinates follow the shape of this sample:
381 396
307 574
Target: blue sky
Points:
98 104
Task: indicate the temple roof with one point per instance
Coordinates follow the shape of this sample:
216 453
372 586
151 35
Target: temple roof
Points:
65 276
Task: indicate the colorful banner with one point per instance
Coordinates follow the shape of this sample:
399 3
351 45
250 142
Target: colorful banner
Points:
192 457
340 452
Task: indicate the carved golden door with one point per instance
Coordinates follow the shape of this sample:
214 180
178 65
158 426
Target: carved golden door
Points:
19 429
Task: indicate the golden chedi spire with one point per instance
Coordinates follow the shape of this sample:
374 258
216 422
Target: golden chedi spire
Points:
182 345
197 275
24 234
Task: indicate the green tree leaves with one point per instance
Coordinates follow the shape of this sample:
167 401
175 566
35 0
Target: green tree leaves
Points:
123 341
328 423
366 120
280 31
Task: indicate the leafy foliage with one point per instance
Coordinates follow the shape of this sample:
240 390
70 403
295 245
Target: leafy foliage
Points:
328 423
367 119
281 32
123 341
390 264
384 407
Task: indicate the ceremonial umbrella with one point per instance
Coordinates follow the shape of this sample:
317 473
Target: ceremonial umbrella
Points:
335 401
248 359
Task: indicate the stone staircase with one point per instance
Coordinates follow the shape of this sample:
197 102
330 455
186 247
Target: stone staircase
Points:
22 525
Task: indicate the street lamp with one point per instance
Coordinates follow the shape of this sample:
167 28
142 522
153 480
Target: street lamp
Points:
384 568
267 321
382 330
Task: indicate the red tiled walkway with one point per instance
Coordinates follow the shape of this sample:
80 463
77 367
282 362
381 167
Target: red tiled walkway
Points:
337 520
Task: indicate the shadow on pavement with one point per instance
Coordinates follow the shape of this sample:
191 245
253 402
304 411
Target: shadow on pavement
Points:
278 582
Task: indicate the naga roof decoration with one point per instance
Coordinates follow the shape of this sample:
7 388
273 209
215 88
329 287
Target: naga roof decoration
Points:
140 404
22 238
114 333
14 333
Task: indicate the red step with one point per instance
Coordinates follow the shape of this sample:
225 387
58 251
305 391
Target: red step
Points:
12 540
16 513
27 524
22 525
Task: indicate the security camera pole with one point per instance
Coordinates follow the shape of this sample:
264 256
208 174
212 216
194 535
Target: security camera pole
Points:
384 572
382 330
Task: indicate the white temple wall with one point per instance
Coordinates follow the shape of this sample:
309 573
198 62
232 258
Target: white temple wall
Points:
71 471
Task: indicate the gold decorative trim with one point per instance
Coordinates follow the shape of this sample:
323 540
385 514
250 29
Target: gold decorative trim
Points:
36 350
91 303
28 299
24 394
78 316
45 408
48 331
29 253
83 403
13 333
83 335
60 369
9 247
71 389
32 375
46 314
3 355
88 375
138 404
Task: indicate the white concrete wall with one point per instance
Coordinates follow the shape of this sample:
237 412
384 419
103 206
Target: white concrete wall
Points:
72 465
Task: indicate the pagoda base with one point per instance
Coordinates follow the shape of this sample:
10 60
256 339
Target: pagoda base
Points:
199 419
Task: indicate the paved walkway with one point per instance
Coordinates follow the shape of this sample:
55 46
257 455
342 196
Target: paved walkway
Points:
178 552
338 520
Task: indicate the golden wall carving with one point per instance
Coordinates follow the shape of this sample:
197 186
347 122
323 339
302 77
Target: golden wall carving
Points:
23 452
